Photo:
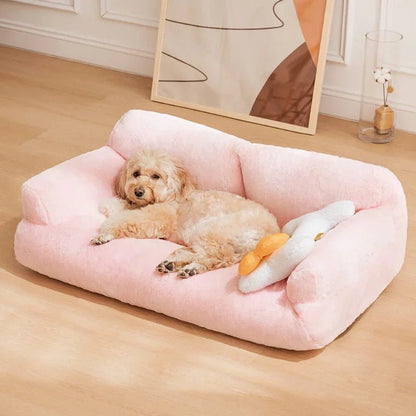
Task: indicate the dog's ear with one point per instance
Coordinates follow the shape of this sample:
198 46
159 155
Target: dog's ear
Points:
185 184
121 183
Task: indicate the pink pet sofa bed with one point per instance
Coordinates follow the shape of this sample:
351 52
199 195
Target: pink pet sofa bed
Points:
344 274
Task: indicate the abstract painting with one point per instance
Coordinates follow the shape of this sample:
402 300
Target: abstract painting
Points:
260 61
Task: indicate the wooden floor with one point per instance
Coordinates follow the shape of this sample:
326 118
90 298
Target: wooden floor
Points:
65 351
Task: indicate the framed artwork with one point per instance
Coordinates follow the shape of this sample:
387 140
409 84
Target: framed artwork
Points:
259 61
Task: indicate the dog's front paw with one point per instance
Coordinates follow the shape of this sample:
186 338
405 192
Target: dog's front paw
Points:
101 239
104 209
112 206
166 266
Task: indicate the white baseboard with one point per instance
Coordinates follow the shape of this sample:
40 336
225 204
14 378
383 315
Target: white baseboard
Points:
340 104
344 104
76 48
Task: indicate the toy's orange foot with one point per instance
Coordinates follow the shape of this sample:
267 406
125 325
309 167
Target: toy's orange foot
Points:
271 243
248 263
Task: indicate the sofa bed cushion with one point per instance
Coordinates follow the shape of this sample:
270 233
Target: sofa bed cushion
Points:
327 291
212 301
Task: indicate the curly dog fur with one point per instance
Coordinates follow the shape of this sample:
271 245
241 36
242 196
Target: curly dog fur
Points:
156 199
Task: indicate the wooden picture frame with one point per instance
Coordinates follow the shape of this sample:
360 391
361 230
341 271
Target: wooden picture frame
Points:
259 61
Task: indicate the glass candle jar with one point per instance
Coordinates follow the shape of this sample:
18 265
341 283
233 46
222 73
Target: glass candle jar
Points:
382 57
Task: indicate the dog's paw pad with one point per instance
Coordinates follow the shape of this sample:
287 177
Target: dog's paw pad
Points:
101 239
185 273
166 267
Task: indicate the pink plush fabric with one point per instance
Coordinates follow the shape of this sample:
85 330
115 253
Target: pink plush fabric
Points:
210 155
344 274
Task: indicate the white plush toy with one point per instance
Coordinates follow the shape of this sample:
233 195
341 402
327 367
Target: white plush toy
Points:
303 231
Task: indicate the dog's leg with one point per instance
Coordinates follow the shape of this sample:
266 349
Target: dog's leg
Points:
152 221
211 255
184 261
176 260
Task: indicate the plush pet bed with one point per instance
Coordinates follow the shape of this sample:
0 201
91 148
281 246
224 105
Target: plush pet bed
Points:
340 278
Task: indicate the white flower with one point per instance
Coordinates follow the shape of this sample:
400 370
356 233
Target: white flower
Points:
382 74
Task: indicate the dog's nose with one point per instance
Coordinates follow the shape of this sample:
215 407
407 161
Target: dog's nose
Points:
139 192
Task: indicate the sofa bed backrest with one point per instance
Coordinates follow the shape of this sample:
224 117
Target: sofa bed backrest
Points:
208 154
292 182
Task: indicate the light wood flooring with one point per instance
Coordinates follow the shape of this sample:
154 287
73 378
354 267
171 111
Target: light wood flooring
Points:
65 351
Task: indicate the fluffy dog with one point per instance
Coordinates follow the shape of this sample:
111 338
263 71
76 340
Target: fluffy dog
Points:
156 199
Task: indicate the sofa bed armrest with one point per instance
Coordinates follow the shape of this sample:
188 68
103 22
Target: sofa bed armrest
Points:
348 269
348 255
73 188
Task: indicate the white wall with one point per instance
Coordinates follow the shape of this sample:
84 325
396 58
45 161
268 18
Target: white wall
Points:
122 35
341 93
110 33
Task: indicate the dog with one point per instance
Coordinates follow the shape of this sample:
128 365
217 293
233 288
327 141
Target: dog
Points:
157 199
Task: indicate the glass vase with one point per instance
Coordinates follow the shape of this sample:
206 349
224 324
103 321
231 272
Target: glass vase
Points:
382 57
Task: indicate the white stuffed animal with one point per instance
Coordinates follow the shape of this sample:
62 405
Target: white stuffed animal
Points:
303 232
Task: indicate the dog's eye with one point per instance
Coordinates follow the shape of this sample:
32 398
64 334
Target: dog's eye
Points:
155 176
136 173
